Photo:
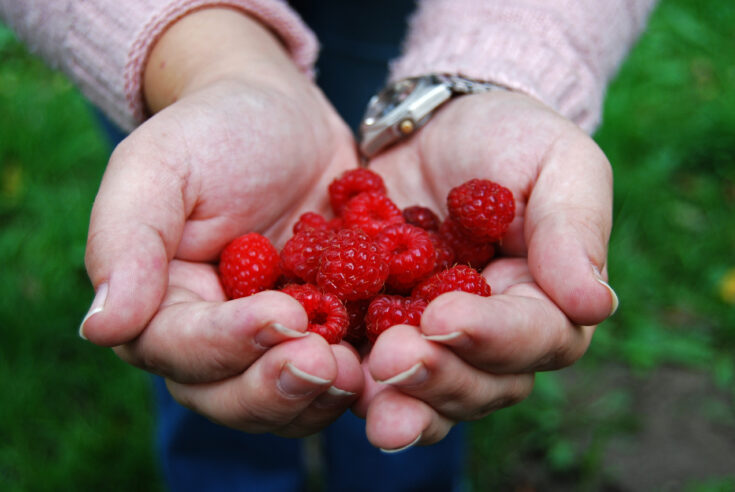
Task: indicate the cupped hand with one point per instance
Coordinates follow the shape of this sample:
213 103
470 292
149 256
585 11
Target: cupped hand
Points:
472 355
233 153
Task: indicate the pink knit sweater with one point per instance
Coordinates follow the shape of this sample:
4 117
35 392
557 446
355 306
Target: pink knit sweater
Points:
562 52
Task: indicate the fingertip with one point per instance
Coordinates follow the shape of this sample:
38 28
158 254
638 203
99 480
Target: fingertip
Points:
395 421
277 306
565 266
311 354
587 300
400 353
403 448
614 300
123 305
98 305
349 370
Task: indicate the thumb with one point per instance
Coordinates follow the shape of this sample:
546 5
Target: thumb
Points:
568 223
135 227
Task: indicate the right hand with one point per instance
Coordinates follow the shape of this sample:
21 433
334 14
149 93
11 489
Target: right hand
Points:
239 146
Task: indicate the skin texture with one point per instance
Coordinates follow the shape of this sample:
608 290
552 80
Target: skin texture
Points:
223 155
474 354
240 141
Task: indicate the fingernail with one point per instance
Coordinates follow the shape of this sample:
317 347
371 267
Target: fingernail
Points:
335 391
445 337
455 339
333 397
398 450
275 333
613 295
98 305
413 376
297 383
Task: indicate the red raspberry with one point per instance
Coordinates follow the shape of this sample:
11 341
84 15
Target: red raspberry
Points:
301 254
422 217
443 250
466 251
350 184
459 277
327 314
353 266
310 220
483 208
334 224
247 265
386 311
356 311
371 211
410 253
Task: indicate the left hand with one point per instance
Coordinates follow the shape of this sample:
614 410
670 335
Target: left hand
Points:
472 355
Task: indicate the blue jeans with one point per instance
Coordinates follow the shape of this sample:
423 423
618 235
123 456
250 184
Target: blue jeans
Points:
198 455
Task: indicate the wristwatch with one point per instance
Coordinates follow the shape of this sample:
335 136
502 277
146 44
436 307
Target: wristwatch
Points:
404 106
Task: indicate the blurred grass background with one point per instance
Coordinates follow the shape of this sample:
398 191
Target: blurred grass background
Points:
650 407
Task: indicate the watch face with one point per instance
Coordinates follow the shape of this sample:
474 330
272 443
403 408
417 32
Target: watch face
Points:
390 98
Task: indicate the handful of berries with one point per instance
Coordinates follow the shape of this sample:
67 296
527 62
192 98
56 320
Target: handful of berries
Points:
374 265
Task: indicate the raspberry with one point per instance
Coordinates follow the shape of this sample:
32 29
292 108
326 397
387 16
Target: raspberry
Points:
371 211
483 208
247 265
356 311
422 217
353 266
410 253
467 252
310 220
350 184
443 250
459 277
334 224
385 311
301 254
327 315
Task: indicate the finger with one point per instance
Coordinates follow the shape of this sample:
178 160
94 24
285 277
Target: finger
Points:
194 341
370 390
396 421
134 229
328 406
518 331
271 393
435 375
567 225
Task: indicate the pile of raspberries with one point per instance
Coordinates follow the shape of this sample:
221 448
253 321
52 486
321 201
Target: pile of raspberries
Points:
374 265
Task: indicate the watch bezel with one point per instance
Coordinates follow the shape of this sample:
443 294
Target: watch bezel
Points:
379 131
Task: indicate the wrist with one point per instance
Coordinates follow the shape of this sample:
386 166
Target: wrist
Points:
210 45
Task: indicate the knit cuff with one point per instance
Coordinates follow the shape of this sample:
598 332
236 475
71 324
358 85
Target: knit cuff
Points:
110 41
560 52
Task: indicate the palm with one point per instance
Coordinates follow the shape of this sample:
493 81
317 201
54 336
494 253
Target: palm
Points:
248 163
229 159
486 349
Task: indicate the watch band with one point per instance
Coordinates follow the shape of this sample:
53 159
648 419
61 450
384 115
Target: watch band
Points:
462 85
406 105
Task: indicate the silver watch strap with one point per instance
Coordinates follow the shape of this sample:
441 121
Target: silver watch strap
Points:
461 85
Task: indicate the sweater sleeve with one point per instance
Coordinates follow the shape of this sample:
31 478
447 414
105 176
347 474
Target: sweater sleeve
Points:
103 45
562 52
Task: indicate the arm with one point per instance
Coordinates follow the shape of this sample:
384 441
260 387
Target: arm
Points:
223 153
103 45
474 355
561 52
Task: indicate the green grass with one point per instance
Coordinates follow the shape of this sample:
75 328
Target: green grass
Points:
669 132
74 415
